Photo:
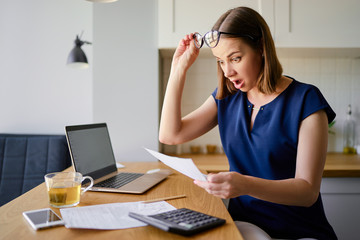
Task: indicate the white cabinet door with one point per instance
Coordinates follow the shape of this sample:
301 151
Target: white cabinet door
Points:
341 198
319 23
176 18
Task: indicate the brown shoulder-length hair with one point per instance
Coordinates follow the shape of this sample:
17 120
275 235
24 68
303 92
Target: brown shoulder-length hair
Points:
246 21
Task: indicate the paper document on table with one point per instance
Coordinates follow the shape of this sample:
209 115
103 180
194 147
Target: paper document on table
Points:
184 165
111 216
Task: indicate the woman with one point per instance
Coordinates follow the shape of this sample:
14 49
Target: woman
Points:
273 130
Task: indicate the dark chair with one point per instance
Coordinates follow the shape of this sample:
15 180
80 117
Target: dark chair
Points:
26 158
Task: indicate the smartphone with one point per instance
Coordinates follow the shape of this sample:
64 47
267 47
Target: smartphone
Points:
43 218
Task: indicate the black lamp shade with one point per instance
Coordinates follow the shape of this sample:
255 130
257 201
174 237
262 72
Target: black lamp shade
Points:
77 58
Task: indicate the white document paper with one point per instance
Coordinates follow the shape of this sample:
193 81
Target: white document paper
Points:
184 165
111 216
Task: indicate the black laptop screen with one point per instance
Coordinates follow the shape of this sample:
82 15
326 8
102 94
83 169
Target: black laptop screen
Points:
91 149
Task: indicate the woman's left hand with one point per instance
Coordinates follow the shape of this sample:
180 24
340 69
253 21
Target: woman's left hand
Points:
224 184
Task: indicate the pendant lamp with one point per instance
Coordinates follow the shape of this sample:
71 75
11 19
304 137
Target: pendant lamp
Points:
102 1
77 57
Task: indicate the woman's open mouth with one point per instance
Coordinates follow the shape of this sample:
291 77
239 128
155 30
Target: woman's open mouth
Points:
238 83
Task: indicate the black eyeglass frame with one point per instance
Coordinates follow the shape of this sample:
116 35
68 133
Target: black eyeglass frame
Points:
218 38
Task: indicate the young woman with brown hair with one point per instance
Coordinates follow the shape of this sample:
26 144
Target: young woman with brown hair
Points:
273 130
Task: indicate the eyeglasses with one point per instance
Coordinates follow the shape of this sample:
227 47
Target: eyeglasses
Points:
212 38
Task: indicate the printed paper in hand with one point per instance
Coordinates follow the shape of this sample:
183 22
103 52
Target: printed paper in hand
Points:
184 165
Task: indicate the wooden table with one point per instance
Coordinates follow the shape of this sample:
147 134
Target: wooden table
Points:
336 165
13 226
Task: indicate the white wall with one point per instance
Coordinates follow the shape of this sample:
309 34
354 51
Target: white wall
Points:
126 75
38 93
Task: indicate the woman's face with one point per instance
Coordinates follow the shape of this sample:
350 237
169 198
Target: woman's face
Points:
240 63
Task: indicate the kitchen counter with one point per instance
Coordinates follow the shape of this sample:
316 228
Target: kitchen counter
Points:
337 164
342 165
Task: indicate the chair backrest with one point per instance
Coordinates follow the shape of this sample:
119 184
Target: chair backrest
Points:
26 158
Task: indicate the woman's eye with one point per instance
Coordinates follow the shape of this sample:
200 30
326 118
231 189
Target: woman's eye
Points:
221 62
236 59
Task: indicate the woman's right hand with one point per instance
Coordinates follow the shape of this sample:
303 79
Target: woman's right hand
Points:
186 53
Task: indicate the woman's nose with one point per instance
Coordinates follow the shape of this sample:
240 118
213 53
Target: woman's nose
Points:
228 71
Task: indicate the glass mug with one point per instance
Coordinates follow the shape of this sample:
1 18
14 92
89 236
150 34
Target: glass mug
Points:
64 188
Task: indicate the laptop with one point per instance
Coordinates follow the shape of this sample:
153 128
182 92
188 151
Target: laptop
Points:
92 155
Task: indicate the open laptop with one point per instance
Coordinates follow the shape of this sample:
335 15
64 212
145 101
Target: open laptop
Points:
92 155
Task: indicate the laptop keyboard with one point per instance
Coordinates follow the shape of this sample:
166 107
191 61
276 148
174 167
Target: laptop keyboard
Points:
119 180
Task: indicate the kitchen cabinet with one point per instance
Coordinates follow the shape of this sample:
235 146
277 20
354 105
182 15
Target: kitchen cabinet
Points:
176 18
294 23
317 24
341 199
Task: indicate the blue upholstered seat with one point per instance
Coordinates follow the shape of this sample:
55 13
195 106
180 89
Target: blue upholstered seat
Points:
26 158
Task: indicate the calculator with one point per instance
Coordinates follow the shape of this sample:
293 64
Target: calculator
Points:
181 221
